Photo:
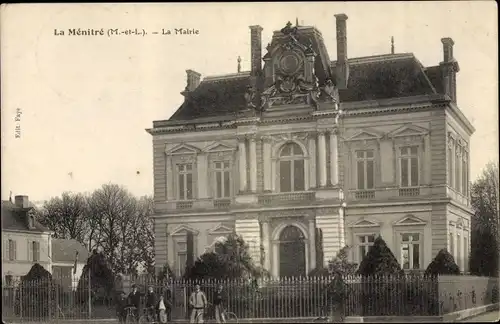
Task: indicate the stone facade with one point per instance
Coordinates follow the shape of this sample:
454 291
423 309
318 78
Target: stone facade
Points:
303 153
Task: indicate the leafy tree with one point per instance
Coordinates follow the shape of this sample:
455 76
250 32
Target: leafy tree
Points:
66 216
340 264
166 272
379 260
485 241
443 263
230 260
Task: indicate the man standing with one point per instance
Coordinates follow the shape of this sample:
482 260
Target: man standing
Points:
218 303
134 299
198 303
120 307
168 299
151 304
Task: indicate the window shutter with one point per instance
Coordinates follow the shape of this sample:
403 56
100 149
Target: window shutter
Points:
37 246
14 246
5 255
30 250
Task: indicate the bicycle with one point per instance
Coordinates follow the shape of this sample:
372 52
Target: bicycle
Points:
148 316
334 317
324 317
130 317
228 317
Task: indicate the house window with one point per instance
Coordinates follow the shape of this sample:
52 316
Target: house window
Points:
450 166
291 168
35 251
409 166
459 252
410 250
181 263
9 280
222 179
466 254
12 250
185 184
365 169
364 243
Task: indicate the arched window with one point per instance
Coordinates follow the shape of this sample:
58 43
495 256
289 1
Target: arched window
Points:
291 168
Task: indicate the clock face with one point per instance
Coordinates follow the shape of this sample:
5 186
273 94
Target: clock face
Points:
290 63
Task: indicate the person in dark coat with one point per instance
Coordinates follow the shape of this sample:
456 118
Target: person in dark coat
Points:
121 303
218 301
169 301
151 303
134 299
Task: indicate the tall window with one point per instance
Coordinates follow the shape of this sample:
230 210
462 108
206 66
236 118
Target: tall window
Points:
450 165
410 250
185 184
291 168
465 175
452 245
365 241
222 179
466 254
12 250
459 252
458 163
35 251
365 169
409 166
181 263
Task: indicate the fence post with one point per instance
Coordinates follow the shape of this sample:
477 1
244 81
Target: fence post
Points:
20 299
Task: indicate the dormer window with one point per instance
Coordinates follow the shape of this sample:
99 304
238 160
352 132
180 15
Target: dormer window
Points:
31 222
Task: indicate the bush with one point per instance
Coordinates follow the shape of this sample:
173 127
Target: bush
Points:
37 294
443 264
379 261
102 280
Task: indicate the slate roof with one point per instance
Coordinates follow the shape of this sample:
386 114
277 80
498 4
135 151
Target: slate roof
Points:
370 78
12 219
64 250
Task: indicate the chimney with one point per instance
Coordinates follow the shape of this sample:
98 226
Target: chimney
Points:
449 69
193 80
342 66
21 201
256 50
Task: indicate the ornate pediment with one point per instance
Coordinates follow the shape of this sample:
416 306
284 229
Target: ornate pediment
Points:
408 130
183 230
218 147
221 229
364 135
183 149
410 220
364 222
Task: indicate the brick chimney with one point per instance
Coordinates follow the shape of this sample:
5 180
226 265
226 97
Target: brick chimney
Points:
256 50
193 80
342 67
22 201
449 69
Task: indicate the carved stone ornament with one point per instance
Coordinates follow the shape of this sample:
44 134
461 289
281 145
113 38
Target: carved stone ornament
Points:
254 100
330 92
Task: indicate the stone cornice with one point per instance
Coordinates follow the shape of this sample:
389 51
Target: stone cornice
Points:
461 118
361 108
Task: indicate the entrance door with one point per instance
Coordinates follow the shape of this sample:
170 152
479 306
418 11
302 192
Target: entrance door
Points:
292 252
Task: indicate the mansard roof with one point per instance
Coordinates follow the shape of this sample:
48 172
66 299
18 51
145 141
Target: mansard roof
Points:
370 78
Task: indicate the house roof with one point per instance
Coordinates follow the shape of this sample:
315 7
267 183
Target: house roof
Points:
12 219
64 250
370 78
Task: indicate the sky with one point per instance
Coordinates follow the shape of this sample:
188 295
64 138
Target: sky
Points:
83 102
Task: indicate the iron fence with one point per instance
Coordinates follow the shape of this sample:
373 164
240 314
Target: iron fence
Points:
410 295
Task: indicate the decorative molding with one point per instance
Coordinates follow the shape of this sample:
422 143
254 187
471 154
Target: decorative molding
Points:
183 149
221 229
364 222
364 135
410 220
267 215
218 147
326 211
408 130
182 230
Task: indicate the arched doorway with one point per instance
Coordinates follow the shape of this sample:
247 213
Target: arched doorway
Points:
292 252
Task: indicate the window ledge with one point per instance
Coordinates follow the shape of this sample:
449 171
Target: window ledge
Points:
271 198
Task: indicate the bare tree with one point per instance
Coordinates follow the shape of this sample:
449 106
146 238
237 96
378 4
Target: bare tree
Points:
66 216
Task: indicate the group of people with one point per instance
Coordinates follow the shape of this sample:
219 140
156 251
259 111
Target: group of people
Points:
157 307
161 307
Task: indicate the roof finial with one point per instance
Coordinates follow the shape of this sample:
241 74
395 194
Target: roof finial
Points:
10 196
392 44
239 64
296 21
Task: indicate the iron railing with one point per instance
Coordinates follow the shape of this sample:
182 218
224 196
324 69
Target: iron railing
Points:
409 295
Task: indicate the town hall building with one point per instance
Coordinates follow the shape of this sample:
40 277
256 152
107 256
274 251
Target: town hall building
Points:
303 155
